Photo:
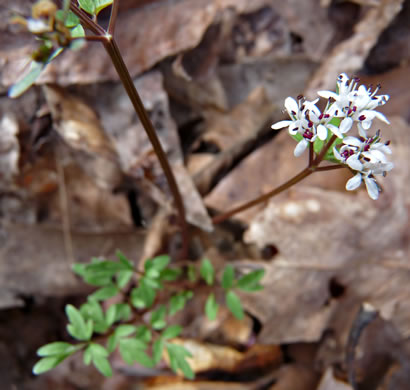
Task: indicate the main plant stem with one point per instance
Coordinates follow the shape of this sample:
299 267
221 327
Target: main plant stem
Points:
113 51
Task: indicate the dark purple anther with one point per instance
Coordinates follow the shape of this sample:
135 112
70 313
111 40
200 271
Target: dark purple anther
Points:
308 134
362 117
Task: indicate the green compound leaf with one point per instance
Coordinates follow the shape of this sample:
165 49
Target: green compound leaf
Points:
177 356
171 332
102 364
207 271
104 293
125 330
88 6
101 4
178 301
47 363
250 281
57 348
211 307
234 304
78 328
123 278
228 277
160 262
158 318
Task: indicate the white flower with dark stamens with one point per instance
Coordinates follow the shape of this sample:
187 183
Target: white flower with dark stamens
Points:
305 116
367 158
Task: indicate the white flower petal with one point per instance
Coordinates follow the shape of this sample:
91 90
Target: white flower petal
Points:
322 132
372 187
335 130
291 106
354 163
382 147
353 141
300 147
354 182
281 125
377 154
327 94
380 116
337 154
362 131
345 125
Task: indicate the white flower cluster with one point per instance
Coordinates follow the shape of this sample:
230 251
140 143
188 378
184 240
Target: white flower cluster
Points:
364 155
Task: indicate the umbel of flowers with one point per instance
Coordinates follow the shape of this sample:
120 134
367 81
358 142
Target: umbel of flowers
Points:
350 107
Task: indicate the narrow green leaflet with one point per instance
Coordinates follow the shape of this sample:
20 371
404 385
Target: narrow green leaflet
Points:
171 332
102 364
47 363
101 4
177 356
207 271
170 274
211 307
228 277
143 296
161 262
105 293
157 349
123 259
158 318
234 304
250 281
143 333
58 348
178 301
110 315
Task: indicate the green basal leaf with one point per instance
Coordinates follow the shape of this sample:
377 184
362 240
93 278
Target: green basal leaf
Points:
47 363
124 261
228 277
87 5
101 4
27 81
234 305
157 319
58 348
250 281
102 364
207 271
104 293
157 349
143 333
171 332
211 307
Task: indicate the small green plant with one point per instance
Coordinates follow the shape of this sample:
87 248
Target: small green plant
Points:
131 311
